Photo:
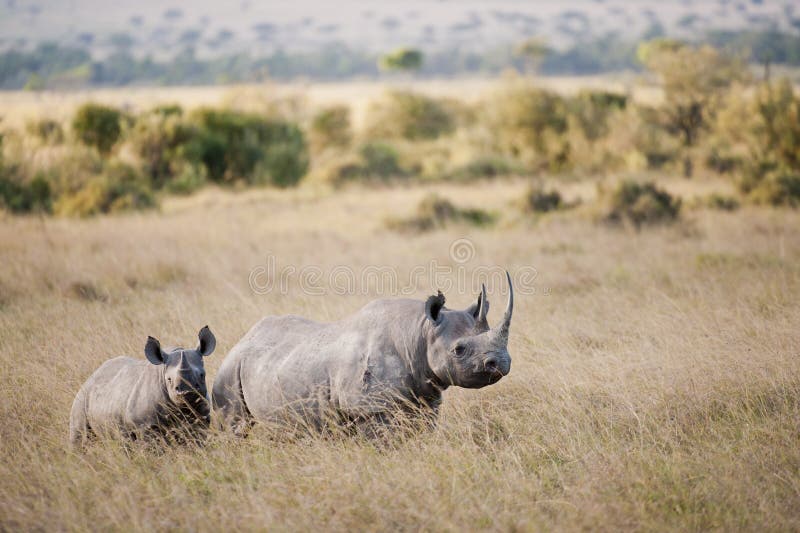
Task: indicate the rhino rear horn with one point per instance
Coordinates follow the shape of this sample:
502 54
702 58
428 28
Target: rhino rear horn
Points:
480 310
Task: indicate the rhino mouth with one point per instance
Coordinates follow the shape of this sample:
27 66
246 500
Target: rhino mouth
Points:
191 398
494 377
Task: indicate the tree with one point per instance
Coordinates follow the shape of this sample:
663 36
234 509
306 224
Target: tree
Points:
98 125
402 59
532 52
694 79
34 83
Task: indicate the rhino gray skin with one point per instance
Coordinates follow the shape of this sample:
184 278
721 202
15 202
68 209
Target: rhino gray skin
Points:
392 353
140 398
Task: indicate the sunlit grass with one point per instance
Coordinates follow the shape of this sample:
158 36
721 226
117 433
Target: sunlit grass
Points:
654 384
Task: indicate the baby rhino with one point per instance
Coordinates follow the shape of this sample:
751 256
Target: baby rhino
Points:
140 398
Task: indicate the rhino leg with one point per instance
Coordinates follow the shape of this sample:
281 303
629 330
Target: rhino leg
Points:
79 429
228 402
375 427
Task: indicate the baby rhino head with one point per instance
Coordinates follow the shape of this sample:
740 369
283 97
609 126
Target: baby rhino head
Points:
184 373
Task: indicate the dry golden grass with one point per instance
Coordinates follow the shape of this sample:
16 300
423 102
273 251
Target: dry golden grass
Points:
655 380
18 107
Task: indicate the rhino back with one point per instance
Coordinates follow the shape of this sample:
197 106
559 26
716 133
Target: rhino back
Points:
344 365
123 392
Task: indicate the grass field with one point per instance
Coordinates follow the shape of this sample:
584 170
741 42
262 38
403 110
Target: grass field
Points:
655 382
18 107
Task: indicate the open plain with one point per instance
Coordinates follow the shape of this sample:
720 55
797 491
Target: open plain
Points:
655 381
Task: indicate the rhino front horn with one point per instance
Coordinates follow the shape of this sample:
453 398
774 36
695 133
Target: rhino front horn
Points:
501 331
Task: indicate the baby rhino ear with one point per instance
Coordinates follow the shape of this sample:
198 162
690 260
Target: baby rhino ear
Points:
207 342
152 350
434 306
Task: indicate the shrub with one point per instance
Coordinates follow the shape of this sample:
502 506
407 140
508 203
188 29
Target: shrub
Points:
46 129
527 123
241 146
339 170
404 114
723 203
98 125
331 128
120 188
284 165
159 138
24 197
380 160
167 110
189 179
538 200
485 167
436 212
778 188
761 133
721 162
401 59
641 203
591 110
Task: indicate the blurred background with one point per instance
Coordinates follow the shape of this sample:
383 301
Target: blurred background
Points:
113 106
79 43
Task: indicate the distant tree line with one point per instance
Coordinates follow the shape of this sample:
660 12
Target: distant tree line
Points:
715 118
51 65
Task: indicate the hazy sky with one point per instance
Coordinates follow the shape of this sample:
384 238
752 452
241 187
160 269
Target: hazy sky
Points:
161 26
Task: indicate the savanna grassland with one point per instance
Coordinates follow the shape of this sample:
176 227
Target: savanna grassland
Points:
655 382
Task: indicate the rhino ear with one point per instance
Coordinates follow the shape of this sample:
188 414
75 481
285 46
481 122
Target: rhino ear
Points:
207 342
152 350
434 306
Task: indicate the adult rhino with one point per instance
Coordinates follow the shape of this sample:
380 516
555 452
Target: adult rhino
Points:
391 356
145 398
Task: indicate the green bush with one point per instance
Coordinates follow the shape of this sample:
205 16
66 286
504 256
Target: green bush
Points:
591 110
436 212
189 179
331 128
167 110
528 124
50 131
24 197
401 59
412 116
120 188
236 146
778 188
380 160
722 163
641 203
723 203
98 125
539 200
339 170
485 167
159 138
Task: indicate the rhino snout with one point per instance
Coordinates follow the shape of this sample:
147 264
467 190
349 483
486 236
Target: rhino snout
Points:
497 364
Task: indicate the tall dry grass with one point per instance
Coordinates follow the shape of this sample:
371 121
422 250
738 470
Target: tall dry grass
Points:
655 381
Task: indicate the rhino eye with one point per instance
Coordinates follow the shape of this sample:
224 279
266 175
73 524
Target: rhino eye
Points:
460 349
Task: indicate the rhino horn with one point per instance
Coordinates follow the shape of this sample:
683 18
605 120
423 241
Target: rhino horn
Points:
183 363
480 321
500 332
